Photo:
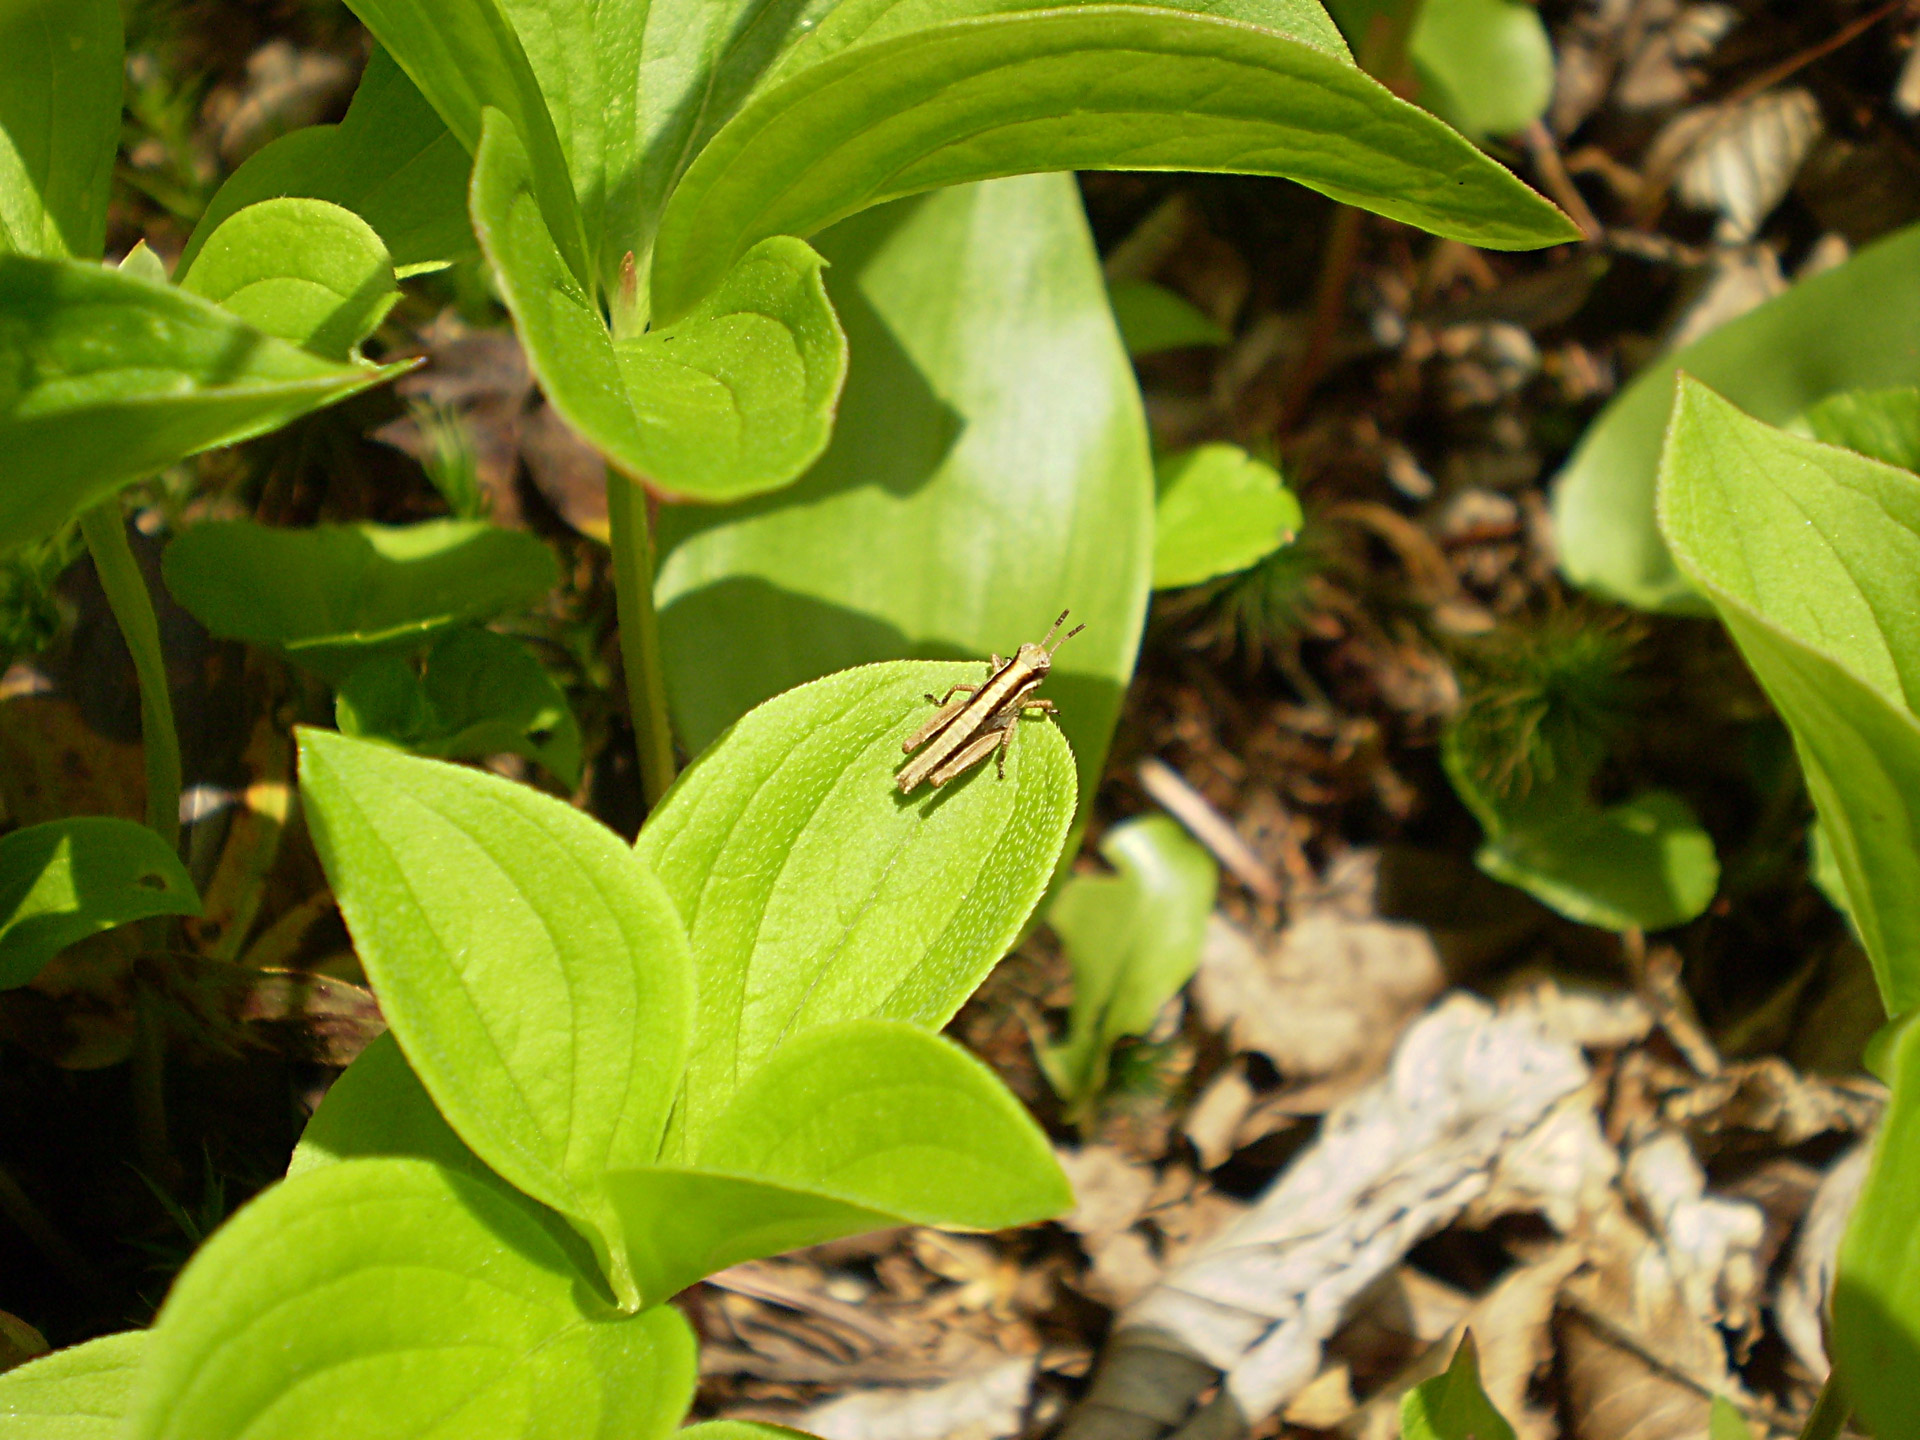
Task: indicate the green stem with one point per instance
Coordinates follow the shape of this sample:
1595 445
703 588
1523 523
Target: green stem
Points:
640 634
132 606
1830 1412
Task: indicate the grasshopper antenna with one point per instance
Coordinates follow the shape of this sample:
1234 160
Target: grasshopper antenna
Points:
1064 638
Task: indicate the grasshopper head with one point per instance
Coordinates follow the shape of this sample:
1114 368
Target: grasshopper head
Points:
1040 657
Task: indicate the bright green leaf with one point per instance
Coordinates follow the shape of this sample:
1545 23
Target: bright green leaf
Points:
60 83
1452 1406
813 892
988 468
1133 939
392 161
79 1393
379 1108
737 396
1849 328
143 264
474 694
305 271
1875 1323
108 378
1090 87
740 1430
1881 424
331 596
395 1300
534 973
466 57
1219 511
1808 553
858 1126
68 879
1152 318
734 399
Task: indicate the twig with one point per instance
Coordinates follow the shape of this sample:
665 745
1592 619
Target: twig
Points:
1553 174
1210 828
632 541
1794 64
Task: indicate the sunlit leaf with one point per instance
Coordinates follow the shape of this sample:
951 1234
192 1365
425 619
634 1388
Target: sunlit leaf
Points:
1881 424
1152 318
80 1393
1219 511
60 83
67 879
813 892
1452 1406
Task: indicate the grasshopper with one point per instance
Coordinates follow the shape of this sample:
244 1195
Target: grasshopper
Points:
973 719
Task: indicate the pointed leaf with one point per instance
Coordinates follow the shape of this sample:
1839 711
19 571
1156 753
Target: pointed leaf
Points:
734 399
532 970
392 161
395 1300
329 597
475 694
1452 1406
813 892
1849 328
852 1127
68 879
1725 1422
1219 511
305 271
1808 554
60 83
110 378
466 57
1091 87
1133 939
379 1108
989 467
80 1393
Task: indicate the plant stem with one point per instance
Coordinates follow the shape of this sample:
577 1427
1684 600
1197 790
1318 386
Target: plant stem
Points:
1830 1412
640 634
132 606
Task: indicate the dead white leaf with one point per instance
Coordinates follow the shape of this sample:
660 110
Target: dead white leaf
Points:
1392 1164
1800 1310
988 1404
1741 278
1214 1121
1711 1243
1743 162
1110 1192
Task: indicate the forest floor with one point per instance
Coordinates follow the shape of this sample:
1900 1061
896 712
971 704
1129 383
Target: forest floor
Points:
1414 1101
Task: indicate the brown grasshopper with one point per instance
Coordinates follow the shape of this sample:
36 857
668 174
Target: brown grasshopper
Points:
982 717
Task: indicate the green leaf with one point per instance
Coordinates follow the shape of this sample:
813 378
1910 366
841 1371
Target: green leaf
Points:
1645 864
474 694
331 596
1808 552
378 1108
739 1430
1133 939
305 271
1219 511
466 56
385 1299
80 1393
68 879
534 973
1874 1334
813 892
734 399
1850 328
1089 87
852 1127
1725 1422
392 161
1152 318
60 83
989 467
108 378
1883 425
1483 66
1452 1406
737 396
